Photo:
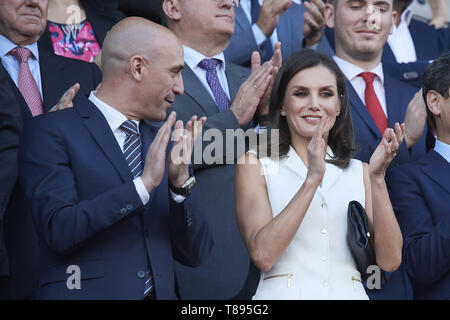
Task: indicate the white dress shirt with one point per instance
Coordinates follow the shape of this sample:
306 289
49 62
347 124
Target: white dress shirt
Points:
351 71
115 120
193 58
260 37
443 149
12 65
401 42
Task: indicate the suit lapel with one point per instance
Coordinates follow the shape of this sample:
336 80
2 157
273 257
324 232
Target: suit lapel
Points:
195 89
19 97
51 71
437 168
100 131
284 32
360 108
393 103
241 19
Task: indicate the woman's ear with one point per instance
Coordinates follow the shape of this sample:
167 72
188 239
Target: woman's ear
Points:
283 111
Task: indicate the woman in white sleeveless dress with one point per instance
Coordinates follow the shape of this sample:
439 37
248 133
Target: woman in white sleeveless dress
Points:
292 209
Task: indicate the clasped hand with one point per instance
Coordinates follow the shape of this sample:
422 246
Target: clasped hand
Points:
180 154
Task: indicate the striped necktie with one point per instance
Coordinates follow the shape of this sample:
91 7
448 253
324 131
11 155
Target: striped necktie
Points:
132 150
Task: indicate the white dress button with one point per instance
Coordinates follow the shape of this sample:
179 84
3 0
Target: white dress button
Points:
324 205
325 283
323 231
324 259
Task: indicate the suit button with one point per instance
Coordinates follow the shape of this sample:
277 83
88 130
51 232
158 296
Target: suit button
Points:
129 206
141 274
123 211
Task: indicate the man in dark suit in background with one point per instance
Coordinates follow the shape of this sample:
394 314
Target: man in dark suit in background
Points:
36 86
260 24
108 196
212 89
420 193
377 100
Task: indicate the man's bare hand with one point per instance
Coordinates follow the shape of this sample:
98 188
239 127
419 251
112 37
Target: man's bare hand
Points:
181 152
250 93
276 61
155 161
66 100
269 15
415 119
314 21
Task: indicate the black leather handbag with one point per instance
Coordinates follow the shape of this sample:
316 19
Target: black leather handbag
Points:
359 238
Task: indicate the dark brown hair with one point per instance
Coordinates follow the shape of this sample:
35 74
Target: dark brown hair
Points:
340 139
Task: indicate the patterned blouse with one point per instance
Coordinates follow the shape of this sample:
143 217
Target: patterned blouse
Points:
75 41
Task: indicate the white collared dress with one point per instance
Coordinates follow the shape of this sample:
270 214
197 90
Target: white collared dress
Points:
318 263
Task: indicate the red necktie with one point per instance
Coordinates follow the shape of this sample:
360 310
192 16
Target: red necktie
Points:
372 102
27 84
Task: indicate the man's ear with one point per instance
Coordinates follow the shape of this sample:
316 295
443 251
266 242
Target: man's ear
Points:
171 9
329 14
394 19
137 65
434 102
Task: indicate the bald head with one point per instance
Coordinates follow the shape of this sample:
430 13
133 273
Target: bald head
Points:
133 37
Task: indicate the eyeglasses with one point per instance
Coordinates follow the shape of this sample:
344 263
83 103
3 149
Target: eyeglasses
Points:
234 2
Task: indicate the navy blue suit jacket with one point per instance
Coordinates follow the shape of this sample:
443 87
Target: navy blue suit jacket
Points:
289 32
88 213
420 193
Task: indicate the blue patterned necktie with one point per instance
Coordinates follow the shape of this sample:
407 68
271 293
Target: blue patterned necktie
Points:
132 150
209 65
266 46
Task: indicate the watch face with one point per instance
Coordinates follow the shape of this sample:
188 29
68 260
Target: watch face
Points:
189 183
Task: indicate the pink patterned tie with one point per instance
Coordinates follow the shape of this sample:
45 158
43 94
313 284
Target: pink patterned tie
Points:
27 84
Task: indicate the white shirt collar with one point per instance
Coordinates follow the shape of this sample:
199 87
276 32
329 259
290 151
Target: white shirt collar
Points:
113 116
193 58
351 71
443 149
407 15
7 45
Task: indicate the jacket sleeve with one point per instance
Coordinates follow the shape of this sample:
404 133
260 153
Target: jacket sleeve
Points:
426 245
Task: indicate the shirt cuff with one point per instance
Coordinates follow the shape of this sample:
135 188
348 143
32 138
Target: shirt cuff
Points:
141 190
260 37
176 197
